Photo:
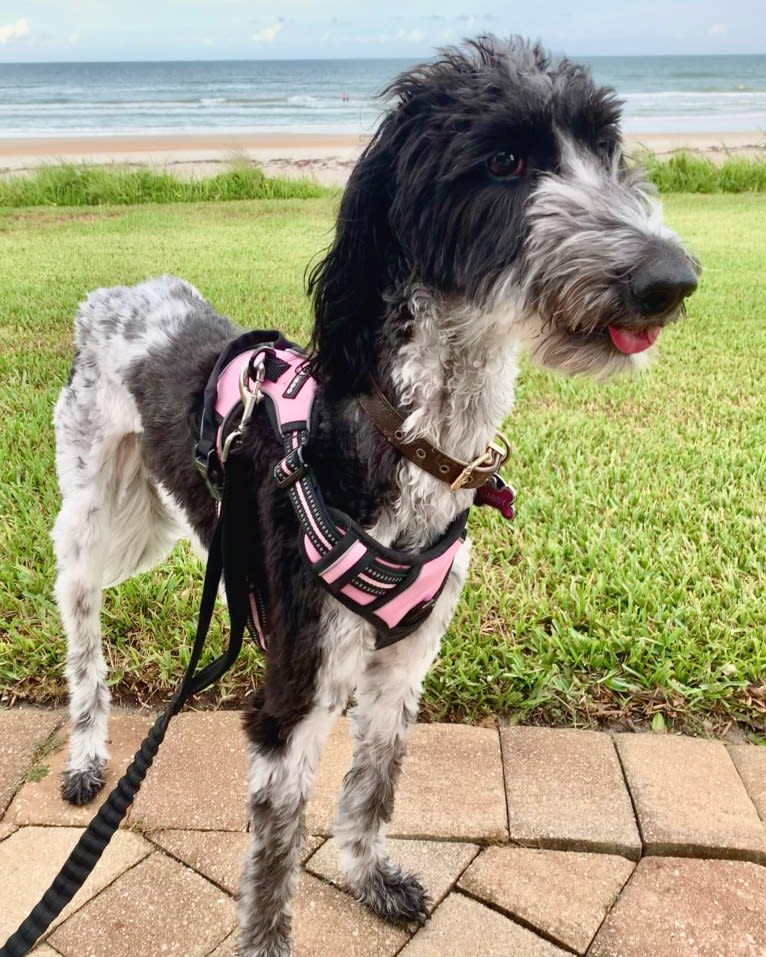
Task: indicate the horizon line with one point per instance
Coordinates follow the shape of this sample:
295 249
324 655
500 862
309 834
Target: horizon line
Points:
300 59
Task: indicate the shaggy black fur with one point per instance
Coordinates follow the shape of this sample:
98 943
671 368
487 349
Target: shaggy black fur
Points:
353 468
423 203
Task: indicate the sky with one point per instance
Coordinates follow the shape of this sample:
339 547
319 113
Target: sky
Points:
54 30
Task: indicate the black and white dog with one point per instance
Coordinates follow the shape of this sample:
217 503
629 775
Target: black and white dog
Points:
492 211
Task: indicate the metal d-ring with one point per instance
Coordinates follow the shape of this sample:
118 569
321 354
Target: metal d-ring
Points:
495 454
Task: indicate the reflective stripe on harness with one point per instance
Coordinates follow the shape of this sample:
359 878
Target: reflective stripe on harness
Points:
393 590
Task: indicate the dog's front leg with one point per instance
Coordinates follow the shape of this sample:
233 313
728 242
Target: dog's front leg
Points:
387 699
280 780
381 719
387 704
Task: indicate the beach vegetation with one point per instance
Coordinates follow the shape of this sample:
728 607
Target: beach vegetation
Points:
632 582
72 184
691 173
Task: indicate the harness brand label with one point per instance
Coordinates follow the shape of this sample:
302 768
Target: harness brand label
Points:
301 377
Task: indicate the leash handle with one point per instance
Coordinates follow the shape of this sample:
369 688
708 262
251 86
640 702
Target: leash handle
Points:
227 552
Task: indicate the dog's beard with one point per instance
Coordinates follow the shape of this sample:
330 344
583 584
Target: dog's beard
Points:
571 289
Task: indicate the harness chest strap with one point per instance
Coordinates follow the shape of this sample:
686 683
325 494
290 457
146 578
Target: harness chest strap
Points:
393 590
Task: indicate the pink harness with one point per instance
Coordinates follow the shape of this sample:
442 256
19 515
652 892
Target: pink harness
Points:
393 590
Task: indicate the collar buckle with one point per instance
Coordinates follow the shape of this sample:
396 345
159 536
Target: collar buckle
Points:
490 460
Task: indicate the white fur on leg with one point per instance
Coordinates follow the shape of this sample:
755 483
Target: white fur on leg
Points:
279 788
387 699
80 552
112 523
280 784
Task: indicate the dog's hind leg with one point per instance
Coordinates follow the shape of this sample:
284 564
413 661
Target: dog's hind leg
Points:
111 524
80 538
387 698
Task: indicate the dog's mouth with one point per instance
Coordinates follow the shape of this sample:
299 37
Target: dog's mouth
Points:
655 292
632 341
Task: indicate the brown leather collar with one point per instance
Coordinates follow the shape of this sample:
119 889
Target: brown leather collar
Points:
454 472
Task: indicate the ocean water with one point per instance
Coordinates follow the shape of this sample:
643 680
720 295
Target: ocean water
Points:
661 94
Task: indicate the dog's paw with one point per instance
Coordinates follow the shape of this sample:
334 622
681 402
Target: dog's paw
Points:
279 948
395 896
81 786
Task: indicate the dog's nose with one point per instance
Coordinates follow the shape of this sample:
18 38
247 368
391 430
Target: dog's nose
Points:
659 285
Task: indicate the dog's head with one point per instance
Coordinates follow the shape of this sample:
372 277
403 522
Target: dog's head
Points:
497 181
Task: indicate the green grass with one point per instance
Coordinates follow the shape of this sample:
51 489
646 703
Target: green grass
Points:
689 173
70 184
631 584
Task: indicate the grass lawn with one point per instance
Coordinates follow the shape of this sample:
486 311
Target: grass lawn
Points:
632 583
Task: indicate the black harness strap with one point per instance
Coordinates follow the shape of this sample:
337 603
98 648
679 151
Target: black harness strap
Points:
227 555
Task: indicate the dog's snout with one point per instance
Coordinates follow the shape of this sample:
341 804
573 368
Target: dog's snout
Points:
661 283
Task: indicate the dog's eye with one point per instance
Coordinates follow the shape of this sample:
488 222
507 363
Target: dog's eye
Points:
505 165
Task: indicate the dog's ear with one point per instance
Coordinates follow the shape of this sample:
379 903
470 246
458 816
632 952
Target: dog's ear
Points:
347 286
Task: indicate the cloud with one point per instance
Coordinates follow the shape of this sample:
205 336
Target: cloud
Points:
718 30
410 36
268 34
12 31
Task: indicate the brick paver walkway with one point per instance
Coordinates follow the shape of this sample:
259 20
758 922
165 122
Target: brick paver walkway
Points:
530 841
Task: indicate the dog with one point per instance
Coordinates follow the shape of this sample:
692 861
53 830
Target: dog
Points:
492 211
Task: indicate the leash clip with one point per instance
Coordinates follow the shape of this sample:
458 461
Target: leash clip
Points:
255 370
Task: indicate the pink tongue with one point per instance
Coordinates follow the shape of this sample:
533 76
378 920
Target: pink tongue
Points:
630 342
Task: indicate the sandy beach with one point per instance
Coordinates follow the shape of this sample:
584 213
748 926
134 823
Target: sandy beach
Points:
324 157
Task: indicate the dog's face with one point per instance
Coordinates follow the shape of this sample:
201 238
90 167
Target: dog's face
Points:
498 182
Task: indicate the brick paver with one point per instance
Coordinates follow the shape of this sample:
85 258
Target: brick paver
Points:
431 799
564 895
750 761
22 730
40 802
438 864
566 790
207 750
674 907
6 829
31 858
327 923
159 907
217 855
228 948
462 926
171 892
689 798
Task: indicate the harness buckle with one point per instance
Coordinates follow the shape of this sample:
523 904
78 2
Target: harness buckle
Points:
290 469
208 468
